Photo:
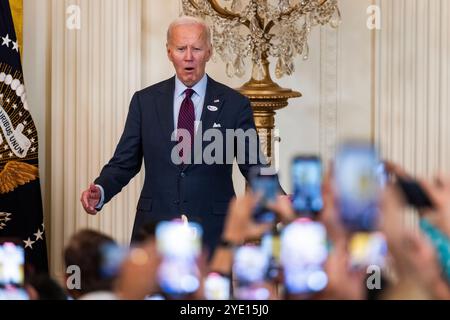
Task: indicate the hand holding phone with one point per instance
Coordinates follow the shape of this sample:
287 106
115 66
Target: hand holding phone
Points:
179 243
307 185
358 186
265 187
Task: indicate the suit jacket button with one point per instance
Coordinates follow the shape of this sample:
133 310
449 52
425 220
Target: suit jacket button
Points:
176 201
183 174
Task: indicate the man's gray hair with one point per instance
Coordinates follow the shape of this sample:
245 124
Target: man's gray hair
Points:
189 20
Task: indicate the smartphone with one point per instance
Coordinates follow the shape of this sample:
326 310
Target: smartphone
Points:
414 194
368 248
358 186
217 287
306 172
12 271
303 255
250 267
179 244
113 257
264 185
270 244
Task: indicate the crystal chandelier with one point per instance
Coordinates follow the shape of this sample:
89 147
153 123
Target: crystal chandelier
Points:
262 28
257 30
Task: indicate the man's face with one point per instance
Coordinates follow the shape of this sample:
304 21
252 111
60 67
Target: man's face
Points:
188 49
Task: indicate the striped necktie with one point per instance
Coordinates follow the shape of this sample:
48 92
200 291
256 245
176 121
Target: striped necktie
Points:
186 120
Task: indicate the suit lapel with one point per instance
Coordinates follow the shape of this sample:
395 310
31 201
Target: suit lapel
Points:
212 108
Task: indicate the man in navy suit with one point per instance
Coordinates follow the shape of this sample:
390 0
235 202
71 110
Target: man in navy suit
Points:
175 183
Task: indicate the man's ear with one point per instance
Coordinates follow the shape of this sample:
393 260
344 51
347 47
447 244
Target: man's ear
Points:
169 52
210 52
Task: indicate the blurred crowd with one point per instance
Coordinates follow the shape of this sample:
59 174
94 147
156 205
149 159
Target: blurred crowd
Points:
404 253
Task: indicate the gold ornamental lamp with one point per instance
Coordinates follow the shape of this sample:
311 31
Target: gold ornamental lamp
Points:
260 29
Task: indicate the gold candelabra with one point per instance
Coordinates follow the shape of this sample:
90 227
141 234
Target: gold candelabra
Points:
261 29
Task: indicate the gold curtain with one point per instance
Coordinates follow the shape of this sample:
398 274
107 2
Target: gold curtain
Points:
17 14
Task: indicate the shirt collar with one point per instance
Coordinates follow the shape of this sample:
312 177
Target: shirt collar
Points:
199 87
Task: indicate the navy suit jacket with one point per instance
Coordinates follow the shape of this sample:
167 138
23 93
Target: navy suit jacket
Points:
202 192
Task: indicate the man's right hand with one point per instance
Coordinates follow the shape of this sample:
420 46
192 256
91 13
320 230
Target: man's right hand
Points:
90 199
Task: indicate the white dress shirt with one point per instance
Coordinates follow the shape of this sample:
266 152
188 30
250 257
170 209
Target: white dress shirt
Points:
198 98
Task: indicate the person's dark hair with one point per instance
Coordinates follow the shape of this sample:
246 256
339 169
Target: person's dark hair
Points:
85 251
47 288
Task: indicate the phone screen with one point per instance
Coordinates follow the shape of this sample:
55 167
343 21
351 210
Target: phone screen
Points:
307 185
358 186
113 257
250 267
179 243
265 187
217 287
12 273
303 255
270 244
368 249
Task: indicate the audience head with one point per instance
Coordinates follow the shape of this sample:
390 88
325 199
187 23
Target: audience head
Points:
85 251
43 287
